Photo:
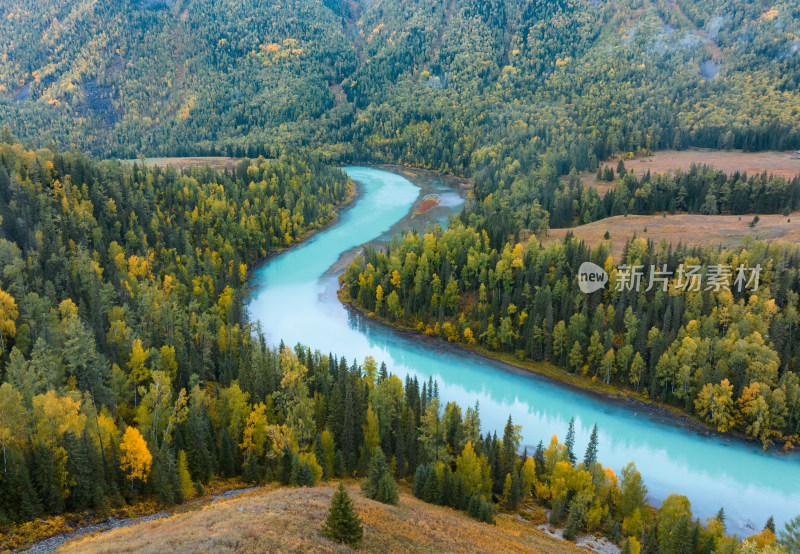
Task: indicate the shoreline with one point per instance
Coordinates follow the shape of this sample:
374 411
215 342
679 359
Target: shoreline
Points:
355 194
462 185
608 393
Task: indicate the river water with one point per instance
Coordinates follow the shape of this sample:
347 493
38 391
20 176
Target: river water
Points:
293 296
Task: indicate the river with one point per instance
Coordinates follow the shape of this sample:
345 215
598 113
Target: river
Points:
293 296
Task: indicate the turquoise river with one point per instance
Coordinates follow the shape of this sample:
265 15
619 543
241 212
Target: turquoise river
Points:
293 296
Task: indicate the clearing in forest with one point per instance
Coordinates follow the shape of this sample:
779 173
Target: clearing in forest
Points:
216 162
687 229
783 164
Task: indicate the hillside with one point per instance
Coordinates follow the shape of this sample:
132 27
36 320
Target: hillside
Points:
289 519
448 85
686 229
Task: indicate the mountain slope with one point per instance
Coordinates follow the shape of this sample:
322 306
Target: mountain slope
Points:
439 84
287 519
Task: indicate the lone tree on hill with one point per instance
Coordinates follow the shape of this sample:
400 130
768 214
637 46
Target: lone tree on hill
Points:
343 524
380 484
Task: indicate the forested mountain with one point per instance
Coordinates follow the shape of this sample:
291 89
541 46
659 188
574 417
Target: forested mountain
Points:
458 85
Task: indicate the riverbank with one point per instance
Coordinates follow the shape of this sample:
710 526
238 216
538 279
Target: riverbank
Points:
353 196
449 191
295 300
607 392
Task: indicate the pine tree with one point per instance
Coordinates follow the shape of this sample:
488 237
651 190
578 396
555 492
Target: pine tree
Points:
573 522
285 468
626 547
473 506
570 440
338 465
721 517
294 474
538 457
379 484
511 438
590 457
458 494
322 459
557 510
430 492
306 477
770 524
343 524
516 488
486 511
680 537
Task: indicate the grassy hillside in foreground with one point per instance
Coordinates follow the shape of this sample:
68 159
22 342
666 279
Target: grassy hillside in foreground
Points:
289 520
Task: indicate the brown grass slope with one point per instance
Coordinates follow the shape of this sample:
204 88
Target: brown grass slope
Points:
687 229
219 163
289 520
780 164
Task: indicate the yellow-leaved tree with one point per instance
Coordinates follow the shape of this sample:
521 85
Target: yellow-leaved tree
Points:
8 313
139 372
136 458
475 472
12 418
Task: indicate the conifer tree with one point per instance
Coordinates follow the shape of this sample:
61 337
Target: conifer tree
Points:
590 457
557 510
285 468
721 517
511 438
430 492
538 457
338 465
379 484
306 478
573 522
420 477
343 524
569 442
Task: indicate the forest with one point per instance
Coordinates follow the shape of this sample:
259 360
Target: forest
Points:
131 372
129 369
724 353
557 203
466 87
120 283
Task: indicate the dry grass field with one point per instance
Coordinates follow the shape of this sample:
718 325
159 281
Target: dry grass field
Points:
217 162
289 520
687 229
784 164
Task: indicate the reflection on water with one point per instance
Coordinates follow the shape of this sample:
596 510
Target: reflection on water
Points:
295 301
